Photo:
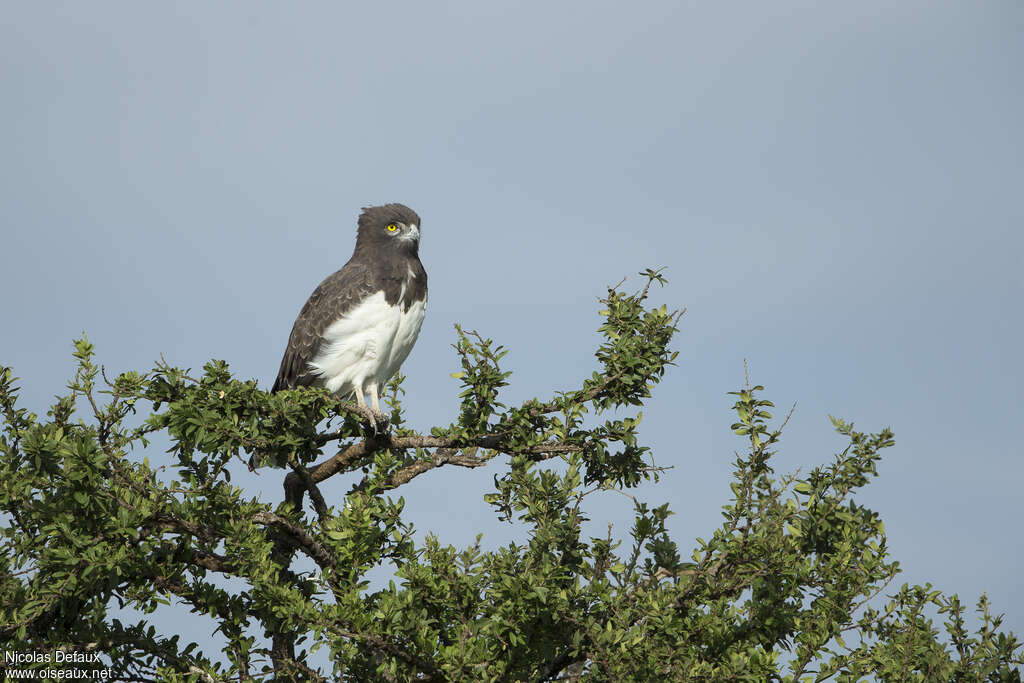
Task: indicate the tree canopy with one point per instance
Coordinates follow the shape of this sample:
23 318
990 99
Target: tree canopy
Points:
796 584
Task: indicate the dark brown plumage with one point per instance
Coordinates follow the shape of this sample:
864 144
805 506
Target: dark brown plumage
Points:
332 298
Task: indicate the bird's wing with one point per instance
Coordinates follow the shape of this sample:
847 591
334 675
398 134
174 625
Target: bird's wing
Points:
333 298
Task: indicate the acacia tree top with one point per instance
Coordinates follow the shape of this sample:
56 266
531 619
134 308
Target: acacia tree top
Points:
795 584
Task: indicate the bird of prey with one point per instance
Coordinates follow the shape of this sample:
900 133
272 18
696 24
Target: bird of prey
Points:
361 322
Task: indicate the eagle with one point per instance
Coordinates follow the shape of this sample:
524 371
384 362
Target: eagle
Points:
360 323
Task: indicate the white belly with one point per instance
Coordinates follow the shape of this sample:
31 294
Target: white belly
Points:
367 346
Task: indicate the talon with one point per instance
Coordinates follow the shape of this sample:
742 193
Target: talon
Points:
377 423
381 423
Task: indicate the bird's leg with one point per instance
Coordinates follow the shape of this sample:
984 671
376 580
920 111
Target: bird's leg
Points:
361 402
374 417
360 399
380 420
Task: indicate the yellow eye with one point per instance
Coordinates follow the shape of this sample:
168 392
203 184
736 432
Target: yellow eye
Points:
392 227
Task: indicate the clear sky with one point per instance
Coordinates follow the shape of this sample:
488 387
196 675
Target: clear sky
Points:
835 190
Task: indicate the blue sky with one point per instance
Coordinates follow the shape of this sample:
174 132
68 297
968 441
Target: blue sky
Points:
833 188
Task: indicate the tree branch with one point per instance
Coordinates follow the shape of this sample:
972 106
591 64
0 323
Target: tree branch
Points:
295 487
429 670
312 547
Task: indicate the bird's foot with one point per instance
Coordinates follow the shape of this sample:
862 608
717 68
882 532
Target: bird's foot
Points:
379 424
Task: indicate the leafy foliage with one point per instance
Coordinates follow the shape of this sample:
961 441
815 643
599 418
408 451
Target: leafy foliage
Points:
789 587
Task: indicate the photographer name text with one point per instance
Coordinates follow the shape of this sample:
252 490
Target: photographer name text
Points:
55 657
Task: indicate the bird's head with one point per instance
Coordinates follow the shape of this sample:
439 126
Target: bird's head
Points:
392 226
